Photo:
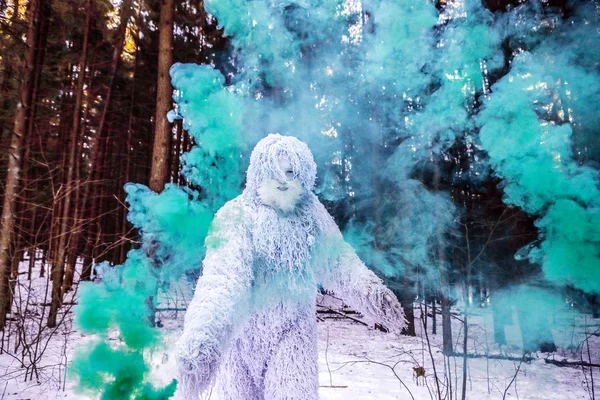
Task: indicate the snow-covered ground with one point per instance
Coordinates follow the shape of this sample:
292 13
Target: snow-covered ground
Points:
355 362
355 357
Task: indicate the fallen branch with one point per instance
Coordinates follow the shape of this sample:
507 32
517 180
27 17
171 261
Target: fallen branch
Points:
344 315
331 311
494 357
66 303
565 363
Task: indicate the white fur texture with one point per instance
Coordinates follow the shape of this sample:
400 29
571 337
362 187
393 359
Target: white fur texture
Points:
251 325
281 196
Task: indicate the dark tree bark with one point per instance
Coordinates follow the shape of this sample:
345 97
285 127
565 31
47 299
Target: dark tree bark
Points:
96 146
160 170
408 305
186 146
71 145
500 314
176 153
16 151
16 253
446 326
159 174
128 143
5 87
95 157
74 243
433 316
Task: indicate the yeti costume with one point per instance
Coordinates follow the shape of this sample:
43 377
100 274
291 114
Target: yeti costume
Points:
251 327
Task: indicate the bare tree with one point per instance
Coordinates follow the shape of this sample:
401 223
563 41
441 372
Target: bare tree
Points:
96 157
72 143
9 70
16 152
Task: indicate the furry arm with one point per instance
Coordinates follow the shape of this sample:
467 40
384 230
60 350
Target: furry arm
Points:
349 278
224 284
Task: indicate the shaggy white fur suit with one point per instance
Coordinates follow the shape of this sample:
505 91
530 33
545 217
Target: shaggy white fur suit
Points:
250 331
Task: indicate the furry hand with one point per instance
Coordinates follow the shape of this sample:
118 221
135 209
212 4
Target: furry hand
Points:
392 319
381 305
196 365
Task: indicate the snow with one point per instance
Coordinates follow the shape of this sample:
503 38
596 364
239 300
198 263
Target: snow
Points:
351 347
355 362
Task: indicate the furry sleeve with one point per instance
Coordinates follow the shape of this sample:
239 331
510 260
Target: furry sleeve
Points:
350 279
218 299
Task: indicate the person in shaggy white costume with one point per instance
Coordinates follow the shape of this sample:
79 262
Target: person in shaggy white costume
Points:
251 327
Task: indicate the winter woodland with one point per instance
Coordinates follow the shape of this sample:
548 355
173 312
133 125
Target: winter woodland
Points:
455 145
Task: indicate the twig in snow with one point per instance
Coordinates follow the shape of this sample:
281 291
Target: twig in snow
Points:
326 359
513 378
435 375
392 367
587 342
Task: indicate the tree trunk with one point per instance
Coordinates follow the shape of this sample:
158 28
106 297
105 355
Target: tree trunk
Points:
433 316
72 143
446 326
159 174
501 314
176 153
40 54
95 157
101 134
465 341
408 305
74 243
15 254
57 270
128 144
535 330
33 244
186 146
5 88
16 152
594 305
94 229
14 275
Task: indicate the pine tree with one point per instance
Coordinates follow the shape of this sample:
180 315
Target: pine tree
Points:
38 10
159 174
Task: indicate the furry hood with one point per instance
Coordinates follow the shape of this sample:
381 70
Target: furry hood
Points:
264 162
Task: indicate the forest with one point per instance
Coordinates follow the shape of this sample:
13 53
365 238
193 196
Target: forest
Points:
457 147
79 103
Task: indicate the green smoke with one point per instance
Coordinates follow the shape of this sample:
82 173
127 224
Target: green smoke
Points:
173 226
533 127
374 91
118 371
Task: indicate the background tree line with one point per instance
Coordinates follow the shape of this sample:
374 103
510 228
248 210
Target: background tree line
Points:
84 91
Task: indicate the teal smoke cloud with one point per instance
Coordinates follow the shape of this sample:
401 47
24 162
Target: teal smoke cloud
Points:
376 89
536 126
